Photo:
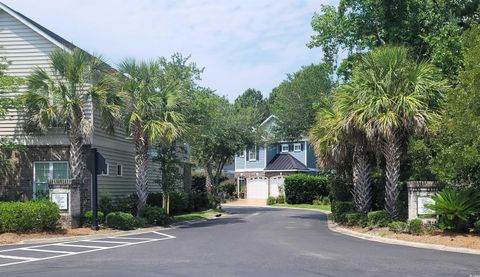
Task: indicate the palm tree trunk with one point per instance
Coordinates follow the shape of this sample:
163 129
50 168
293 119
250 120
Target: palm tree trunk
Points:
362 192
141 167
77 162
392 153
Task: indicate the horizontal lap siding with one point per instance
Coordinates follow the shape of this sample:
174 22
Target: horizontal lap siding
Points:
118 149
24 49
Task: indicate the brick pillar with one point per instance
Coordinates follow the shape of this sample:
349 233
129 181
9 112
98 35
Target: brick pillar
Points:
67 194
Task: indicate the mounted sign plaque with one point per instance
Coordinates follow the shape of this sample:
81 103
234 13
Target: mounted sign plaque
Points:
422 201
61 199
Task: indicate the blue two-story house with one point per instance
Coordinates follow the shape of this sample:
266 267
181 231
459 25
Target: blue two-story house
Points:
260 171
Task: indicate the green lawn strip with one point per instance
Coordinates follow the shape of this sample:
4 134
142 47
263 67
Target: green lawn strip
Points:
326 208
195 215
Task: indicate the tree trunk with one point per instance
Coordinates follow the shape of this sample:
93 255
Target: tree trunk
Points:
141 167
212 187
362 192
392 153
77 162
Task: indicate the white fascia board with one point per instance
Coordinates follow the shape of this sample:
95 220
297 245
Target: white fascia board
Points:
31 26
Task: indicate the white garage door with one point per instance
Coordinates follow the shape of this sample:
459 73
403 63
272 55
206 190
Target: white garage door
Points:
257 188
275 183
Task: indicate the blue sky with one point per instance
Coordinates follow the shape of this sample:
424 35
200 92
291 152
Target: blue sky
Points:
241 43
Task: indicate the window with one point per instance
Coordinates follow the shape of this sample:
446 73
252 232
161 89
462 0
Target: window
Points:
285 148
252 154
119 170
106 171
44 171
297 147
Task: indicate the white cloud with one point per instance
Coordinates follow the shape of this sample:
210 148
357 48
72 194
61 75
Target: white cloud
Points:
241 44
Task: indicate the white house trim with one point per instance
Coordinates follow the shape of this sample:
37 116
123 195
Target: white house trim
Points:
265 158
268 119
251 170
306 153
33 27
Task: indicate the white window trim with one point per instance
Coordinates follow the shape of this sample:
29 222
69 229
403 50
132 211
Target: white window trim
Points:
295 145
254 152
108 170
241 155
288 148
121 166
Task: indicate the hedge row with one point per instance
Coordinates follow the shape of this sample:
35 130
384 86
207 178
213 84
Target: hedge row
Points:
30 216
303 189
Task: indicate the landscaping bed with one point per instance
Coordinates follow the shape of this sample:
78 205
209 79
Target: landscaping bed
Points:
197 215
8 238
438 237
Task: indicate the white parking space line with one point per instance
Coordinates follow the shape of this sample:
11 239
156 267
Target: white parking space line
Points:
90 248
109 241
45 250
17 258
84 246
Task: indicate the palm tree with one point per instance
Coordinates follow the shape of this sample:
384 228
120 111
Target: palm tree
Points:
151 113
393 96
60 97
332 138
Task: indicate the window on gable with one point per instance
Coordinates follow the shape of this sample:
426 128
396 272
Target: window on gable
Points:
252 154
285 148
297 147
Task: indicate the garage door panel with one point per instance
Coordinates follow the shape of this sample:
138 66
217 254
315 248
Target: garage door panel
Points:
257 188
275 183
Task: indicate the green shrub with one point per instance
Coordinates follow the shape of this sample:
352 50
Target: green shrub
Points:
127 204
378 218
415 227
155 199
476 226
199 183
271 200
105 204
281 199
340 189
455 208
88 218
198 201
178 202
353 219
398 227
154 215
340 209
121 221
28 216
229 187
323 200
303 189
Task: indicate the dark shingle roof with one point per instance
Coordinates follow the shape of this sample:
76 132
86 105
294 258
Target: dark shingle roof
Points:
285 161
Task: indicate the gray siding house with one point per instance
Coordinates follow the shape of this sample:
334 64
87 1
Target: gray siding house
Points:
260 171
26 45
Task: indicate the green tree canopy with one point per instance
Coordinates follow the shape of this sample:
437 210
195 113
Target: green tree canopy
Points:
432 28
294 99
253 101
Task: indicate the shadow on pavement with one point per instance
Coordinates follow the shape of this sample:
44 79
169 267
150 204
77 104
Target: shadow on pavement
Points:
213 222
317 216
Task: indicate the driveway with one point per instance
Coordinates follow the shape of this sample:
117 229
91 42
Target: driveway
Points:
252 242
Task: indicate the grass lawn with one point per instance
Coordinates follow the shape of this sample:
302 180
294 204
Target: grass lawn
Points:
196 215
326 208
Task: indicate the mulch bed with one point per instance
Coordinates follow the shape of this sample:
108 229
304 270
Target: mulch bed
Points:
451 239
7 238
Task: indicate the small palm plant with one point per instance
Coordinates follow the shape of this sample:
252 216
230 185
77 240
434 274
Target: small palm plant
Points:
455 207
63 96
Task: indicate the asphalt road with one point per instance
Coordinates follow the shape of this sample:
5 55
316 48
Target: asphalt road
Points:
249 242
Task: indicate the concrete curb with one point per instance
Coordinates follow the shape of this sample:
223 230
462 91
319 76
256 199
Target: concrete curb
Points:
336 228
